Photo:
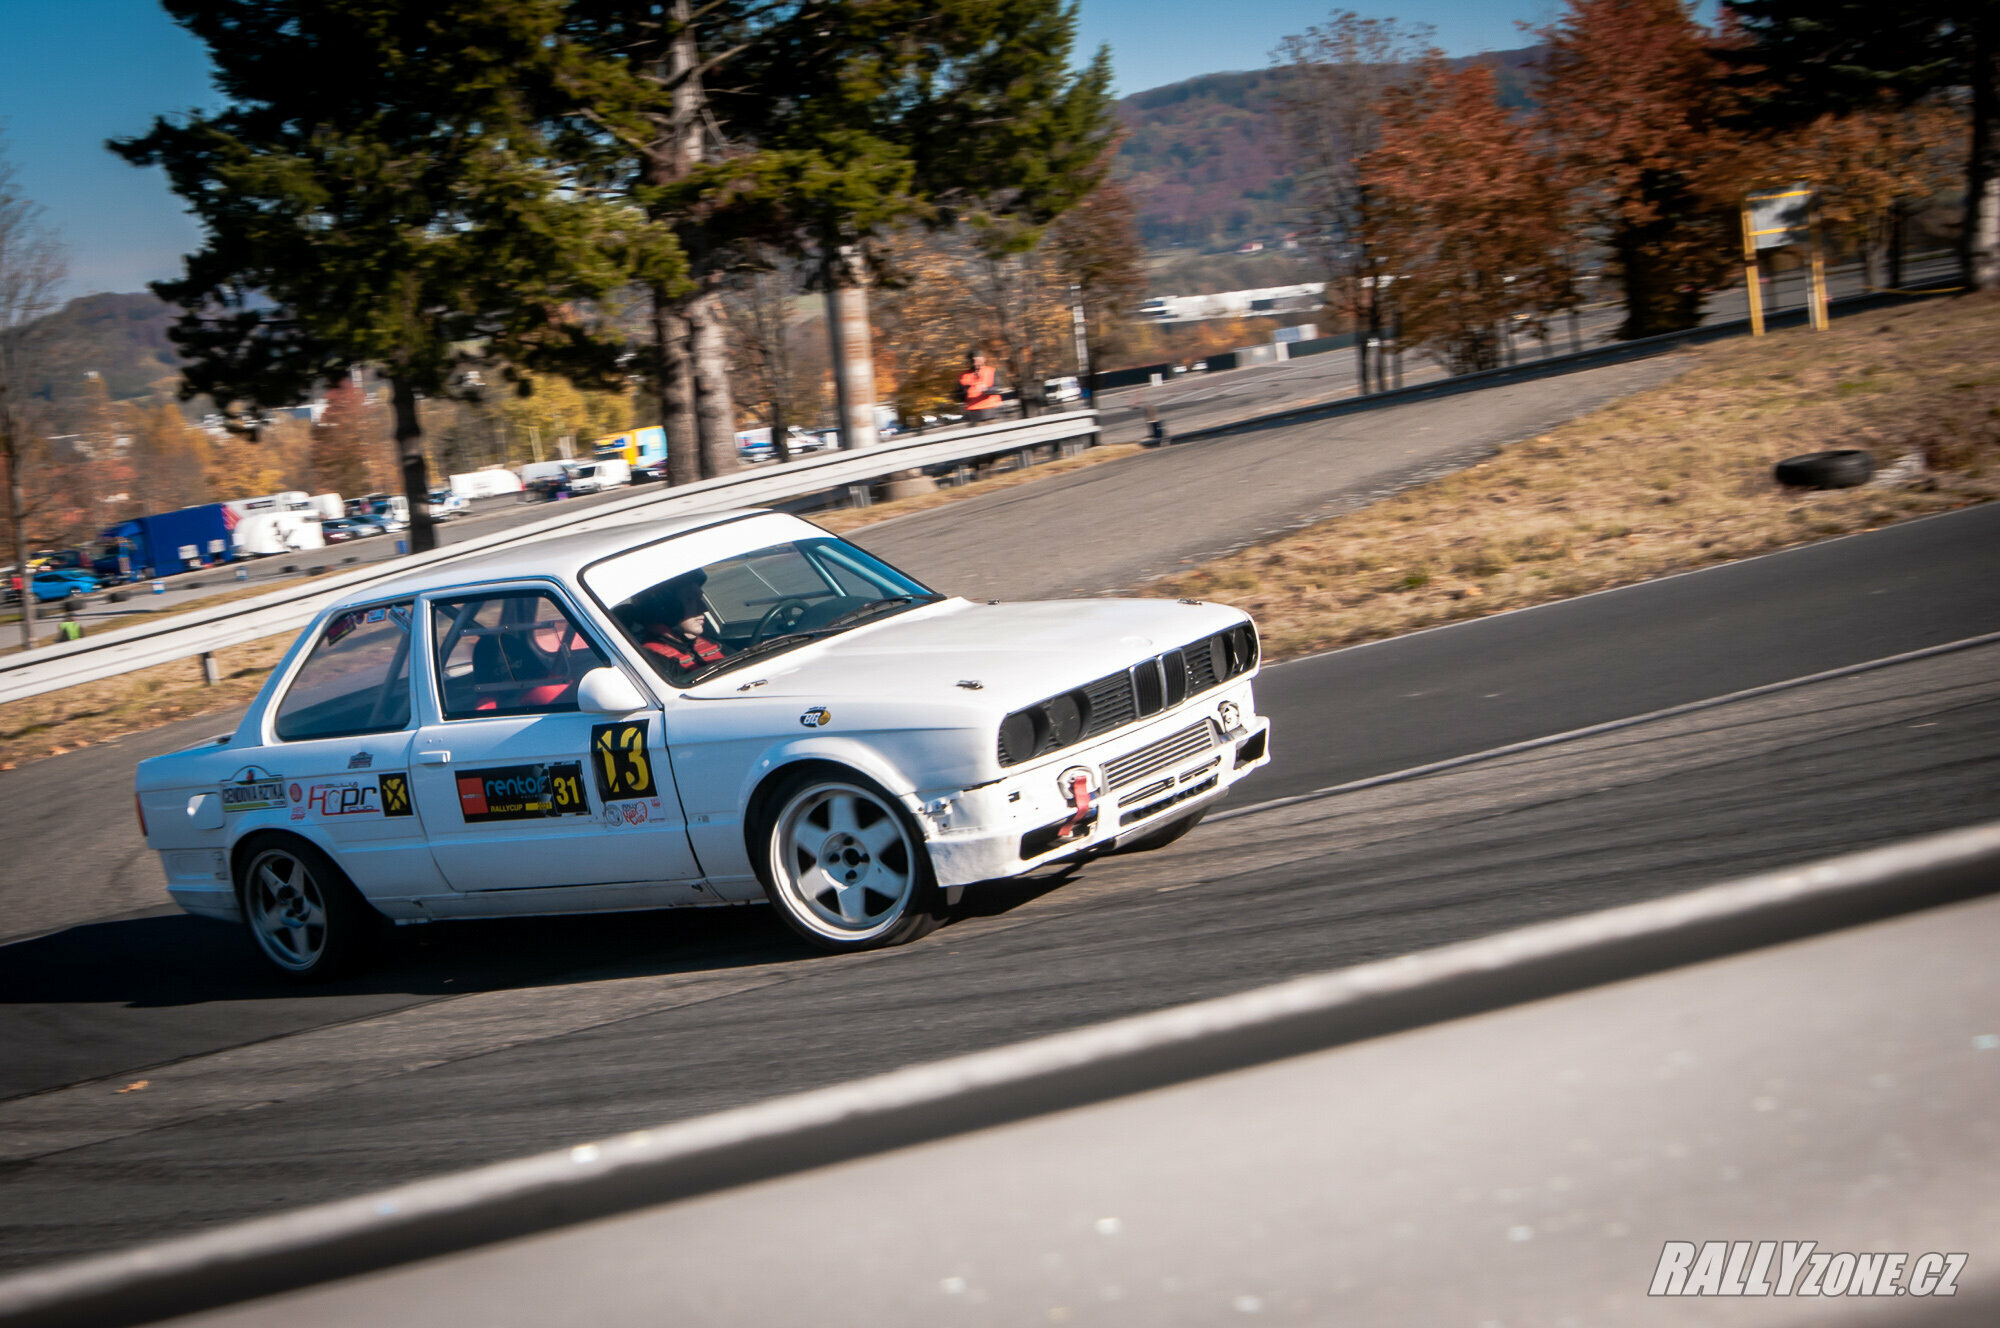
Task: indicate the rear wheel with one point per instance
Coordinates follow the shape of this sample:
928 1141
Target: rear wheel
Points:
306 919
845 865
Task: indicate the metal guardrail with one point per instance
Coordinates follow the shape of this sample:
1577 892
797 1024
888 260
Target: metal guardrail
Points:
200 631
1061 1071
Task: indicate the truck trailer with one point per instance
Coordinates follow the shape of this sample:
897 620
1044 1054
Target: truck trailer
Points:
166 543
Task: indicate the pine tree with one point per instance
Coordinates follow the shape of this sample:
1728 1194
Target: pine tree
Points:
379 189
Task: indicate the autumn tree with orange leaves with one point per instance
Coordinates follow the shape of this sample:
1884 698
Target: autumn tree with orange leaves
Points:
1470 215
1634 102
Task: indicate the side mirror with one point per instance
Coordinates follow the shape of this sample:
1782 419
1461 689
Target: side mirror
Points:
607 691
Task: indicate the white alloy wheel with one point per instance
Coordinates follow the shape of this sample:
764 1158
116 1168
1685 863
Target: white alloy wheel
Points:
846 869
286 910
302 913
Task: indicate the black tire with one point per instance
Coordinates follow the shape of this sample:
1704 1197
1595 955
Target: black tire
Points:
1161 836
322 929
1844 469
844 864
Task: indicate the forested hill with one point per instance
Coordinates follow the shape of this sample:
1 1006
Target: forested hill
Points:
1205 159
121 337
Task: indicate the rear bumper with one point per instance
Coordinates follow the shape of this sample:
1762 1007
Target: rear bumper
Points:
207 901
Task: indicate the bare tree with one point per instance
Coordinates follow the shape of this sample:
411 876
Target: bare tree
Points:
32 269
1330 102
764 297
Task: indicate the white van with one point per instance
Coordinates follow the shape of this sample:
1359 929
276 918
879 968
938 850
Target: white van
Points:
597 476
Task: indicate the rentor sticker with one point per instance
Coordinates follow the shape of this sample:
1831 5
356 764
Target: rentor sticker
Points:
522 792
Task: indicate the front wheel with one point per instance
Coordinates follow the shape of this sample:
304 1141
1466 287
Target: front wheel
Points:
846 867
306 919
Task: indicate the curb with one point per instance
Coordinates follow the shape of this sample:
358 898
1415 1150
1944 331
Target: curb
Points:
429 1218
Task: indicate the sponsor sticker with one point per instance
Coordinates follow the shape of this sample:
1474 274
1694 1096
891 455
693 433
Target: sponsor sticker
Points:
395 790
253 789
522 792
344 798
816 718
618 754
360 760
639 811
377 615
1799 1268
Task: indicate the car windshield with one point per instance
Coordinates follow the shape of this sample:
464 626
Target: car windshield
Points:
691 624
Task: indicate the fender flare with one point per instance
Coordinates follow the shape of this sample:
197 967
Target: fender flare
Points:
847 751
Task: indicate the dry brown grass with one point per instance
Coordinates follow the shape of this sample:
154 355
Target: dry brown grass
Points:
94 712
1669 479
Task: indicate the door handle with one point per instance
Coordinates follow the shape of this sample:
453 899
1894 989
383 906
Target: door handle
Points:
433 758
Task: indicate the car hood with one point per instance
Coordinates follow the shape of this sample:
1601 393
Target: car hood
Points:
1017 653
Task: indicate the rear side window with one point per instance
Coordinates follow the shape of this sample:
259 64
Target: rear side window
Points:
356 680
516 653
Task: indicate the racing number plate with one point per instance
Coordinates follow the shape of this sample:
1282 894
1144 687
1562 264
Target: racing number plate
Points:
624 767
523 792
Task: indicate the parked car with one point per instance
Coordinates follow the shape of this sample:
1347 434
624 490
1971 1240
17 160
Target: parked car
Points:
375 523
444 505
491 737
341 529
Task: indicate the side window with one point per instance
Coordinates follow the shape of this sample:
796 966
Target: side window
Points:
356 680
515 653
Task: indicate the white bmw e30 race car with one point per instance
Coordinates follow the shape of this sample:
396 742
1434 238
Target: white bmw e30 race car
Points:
715 710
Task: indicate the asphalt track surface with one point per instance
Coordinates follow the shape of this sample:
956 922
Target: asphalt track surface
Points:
484 1041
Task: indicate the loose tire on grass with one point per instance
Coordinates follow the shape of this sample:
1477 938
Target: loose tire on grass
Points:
1844 469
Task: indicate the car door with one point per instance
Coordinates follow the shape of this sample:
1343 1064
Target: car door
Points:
518 787
338 741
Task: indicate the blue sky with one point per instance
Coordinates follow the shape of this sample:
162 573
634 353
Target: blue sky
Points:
76 72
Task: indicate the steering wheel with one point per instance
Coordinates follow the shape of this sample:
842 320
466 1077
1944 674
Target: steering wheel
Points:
791 608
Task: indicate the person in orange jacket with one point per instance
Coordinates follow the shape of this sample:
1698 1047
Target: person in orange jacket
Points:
982 403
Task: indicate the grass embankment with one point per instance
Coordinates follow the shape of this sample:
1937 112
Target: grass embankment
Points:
58 722
1669 479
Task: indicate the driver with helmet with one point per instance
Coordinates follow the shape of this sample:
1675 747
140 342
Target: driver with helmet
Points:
673 624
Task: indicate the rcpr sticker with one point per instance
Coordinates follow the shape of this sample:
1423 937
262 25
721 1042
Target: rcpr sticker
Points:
816 718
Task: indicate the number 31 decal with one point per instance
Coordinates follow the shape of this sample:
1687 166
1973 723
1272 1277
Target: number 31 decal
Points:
624 768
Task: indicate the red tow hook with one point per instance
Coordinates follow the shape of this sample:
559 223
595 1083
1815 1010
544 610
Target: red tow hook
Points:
1079 792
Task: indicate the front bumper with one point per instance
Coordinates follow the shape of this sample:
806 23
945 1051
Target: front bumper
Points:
1141 779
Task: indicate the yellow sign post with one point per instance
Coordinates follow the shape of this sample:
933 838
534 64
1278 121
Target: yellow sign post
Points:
1774 219
1752 278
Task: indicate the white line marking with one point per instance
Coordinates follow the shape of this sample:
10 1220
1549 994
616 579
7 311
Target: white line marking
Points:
1608 726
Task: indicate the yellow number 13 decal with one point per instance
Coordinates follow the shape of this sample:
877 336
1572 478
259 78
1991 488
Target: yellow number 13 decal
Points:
623 767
